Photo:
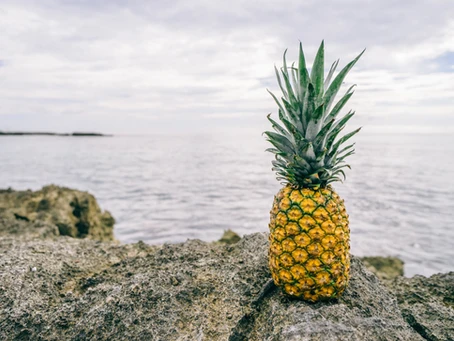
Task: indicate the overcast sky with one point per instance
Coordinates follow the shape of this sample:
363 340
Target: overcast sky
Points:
146 66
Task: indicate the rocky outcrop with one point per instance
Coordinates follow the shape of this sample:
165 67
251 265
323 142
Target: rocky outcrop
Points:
56 211
54 287
229 237
84 290
385 268
427 304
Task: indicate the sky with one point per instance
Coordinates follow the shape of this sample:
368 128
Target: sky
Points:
139 67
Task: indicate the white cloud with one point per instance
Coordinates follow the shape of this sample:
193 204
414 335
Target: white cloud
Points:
126 66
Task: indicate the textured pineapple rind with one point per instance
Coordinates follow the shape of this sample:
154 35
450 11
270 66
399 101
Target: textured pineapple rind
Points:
309 243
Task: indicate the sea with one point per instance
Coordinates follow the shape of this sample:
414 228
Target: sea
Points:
166 188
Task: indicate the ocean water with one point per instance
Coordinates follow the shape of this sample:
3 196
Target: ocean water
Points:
168 188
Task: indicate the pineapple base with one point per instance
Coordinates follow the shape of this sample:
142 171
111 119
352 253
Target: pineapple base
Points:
309 243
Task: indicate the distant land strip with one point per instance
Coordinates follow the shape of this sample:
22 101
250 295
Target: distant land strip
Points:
21 133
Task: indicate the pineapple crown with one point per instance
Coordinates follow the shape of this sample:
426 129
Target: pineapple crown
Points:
307 151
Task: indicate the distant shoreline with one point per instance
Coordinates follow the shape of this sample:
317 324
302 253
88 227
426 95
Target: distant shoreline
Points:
21 133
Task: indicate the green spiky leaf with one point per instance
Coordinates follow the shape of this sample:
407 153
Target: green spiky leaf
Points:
278 127
303 73
307 150
339 105
331 92
318 70
330 74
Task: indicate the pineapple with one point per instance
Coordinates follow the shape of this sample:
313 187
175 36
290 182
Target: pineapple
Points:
309 232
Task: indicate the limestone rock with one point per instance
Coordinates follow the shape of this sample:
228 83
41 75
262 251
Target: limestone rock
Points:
428 304
385 268
229 237
79 289
74 213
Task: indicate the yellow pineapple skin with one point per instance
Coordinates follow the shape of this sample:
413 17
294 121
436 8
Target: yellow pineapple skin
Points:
309 255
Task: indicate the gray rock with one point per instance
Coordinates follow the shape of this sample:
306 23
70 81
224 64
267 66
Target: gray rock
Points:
427 304
55 288
366 311
79 289
74 213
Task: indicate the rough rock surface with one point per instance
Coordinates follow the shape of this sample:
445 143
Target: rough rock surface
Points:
74 213
79 289
427 304
61 288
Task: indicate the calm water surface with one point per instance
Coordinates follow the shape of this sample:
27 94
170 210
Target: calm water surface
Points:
163 188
